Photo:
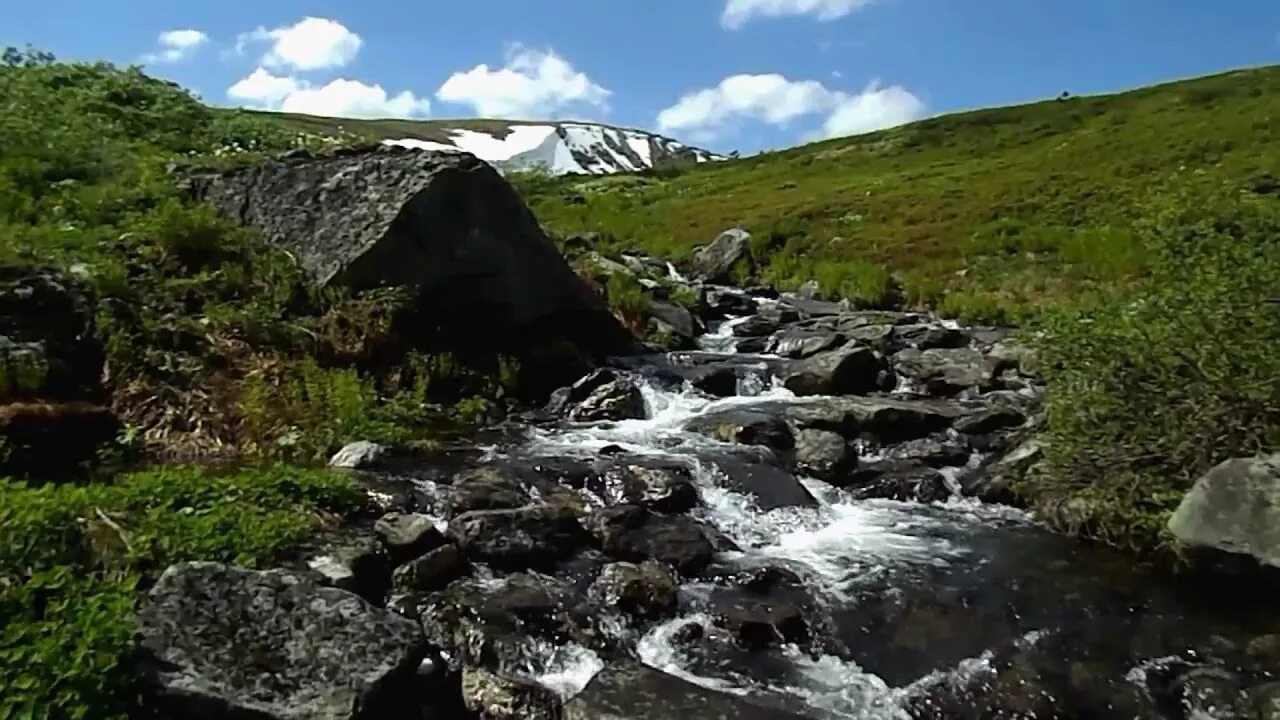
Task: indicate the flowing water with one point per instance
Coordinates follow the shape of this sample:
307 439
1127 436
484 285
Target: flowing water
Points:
923 610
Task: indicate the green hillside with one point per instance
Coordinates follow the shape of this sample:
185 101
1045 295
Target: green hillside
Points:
986 213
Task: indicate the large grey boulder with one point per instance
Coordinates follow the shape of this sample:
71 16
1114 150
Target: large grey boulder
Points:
848 370
221 641
631 691
1235 508
712 263
446 225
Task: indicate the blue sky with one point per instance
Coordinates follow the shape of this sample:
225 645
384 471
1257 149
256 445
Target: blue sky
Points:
727 74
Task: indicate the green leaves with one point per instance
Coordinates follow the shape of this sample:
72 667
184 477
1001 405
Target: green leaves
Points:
1150 388
70 557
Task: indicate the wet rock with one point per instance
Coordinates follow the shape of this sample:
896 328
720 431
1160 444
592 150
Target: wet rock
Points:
432 571
619 399
718 380
898 482
713 262
446 225
360 455
407 535
492 696
1210 692
629 532
1234 508
757 623
674 318
724 302
849 370
355 563
800 343
886 419
876 337
756 326
824 454
770 486
563 399
630 691
752 345
490 622
745 427
946 371
936 452
1015 354
849 321
667 489
221 641
487 488
995 482
989 421
529 537
927 337
1265 650
646 591
1264 701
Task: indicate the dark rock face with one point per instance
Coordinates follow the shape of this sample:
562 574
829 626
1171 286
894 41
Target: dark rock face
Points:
799 343
636 692
407 535
52 415
528 537
849 370
354 562
946 371
493 696
713 262
662 488
989 421
770 486
632 533
434 570
886 419
618 399
444 224
674 318
227 642
824 454
490 487
644 591
746 427
897 482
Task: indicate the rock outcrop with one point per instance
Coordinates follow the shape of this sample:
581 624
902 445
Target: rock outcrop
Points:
446 225
1234 508
221 641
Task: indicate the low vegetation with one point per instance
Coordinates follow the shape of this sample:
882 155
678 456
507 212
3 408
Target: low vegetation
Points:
72 558
990 215
1151 386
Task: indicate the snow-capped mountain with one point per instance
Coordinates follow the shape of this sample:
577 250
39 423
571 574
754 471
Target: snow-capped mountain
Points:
559 148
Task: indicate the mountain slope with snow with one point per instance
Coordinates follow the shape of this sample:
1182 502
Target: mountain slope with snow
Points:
559 148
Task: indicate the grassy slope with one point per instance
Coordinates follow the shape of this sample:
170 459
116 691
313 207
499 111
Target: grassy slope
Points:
986 205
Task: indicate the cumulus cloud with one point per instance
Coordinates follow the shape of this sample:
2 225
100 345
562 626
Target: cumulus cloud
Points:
739 12
312 43
532 83
337 98
777 100
176 45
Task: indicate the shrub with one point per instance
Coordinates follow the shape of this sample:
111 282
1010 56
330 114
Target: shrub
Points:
1151 387
71 556
626 296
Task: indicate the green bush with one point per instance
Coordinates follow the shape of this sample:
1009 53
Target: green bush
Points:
70 557
1151 387
627 297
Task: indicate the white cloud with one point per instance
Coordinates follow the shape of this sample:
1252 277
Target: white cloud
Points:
875 108
533 83
176 45
262 89
310 44
776 100
739 12
338 98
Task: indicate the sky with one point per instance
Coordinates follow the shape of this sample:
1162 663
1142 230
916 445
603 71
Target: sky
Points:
728 75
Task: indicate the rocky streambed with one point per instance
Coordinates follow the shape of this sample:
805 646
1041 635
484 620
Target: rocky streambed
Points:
811 515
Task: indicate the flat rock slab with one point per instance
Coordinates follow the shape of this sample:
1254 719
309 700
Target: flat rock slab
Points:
637 692
223 641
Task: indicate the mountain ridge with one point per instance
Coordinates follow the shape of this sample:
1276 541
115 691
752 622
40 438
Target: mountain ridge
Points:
557 147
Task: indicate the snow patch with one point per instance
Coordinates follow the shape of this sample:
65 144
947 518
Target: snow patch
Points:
562 148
